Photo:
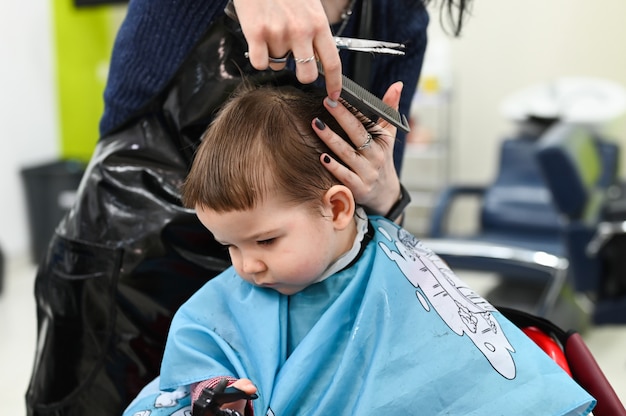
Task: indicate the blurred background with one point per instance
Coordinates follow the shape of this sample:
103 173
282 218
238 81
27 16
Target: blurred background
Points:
55 57
506 46
54 67
54 60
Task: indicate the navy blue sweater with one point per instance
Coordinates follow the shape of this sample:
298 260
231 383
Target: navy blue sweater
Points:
157 35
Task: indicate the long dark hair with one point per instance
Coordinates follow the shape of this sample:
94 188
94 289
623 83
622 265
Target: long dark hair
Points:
454 11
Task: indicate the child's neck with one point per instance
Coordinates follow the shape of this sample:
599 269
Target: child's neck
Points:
348 236
352 237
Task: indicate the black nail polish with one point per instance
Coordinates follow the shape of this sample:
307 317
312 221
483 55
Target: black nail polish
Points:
326 159
320 124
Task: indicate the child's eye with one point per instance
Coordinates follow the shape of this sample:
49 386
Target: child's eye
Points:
266 242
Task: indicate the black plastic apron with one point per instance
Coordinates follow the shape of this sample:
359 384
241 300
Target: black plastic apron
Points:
128 254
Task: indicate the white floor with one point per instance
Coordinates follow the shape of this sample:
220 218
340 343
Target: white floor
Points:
18 329
18 334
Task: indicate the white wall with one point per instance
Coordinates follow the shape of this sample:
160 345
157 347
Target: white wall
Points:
28 126
511 44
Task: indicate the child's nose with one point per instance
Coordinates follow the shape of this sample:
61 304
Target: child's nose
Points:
252 265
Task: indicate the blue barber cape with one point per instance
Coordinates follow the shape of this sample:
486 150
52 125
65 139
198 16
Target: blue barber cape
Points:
395 333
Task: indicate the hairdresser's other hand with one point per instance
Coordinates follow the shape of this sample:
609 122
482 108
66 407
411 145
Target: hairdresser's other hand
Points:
372 176
275 27
247 387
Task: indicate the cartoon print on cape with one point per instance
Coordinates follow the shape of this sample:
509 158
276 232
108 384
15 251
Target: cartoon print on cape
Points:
164 403
463 311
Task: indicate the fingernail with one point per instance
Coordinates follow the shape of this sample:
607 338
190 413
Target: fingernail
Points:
319 124
326 159
331 103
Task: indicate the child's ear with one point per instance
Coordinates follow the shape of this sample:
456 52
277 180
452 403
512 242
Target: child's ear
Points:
340 201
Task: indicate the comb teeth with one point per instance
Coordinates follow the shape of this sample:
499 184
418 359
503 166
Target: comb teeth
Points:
368 104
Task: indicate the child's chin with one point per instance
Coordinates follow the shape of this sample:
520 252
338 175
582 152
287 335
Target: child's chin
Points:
282 289
287 291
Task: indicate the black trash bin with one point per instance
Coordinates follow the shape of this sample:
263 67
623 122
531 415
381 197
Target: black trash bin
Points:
50 190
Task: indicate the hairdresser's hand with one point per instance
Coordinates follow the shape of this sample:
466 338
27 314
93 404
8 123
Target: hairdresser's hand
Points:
247 387
372 176
275 27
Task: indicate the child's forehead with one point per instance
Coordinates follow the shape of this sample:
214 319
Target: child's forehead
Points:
262 220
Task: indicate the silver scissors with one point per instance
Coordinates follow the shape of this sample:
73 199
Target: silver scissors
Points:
369 45
358 45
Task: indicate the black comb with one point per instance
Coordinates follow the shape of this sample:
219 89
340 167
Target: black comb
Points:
368 104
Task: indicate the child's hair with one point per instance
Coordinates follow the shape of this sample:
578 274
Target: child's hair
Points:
262 144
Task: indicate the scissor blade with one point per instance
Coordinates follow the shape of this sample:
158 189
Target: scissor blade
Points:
377 50
368 45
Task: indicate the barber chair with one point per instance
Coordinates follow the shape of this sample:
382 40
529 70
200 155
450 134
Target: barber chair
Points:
536 218
609 245
569 350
